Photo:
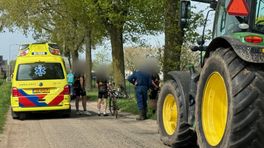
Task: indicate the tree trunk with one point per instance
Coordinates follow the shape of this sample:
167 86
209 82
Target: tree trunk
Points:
75 56
69 60
116 37
68 55
173 37
88 60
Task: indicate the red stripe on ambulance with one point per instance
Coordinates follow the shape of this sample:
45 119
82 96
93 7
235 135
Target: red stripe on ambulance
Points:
57 100
26 102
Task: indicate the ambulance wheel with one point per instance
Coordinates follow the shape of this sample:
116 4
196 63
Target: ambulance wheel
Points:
67 113
22 116
14 115
172 116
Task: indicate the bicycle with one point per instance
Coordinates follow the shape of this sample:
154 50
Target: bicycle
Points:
113 108
122 93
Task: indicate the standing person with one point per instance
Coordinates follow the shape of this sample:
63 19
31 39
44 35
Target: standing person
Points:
142 81
153 96
70 79
102 85
79 87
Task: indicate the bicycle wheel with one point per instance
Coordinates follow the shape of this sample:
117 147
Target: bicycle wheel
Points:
115 108
116 114
111 106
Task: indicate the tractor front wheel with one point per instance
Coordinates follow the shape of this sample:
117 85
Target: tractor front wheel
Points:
172 111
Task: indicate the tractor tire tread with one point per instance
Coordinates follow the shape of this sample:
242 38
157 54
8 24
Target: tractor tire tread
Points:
247 83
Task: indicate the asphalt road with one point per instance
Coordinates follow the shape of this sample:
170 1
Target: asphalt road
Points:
80 131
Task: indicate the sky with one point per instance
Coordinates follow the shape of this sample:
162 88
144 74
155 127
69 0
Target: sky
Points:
9 41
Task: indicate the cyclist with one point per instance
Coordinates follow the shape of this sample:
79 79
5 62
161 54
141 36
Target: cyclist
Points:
102 85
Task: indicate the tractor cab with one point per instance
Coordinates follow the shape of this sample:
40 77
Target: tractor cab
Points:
233 16
237 23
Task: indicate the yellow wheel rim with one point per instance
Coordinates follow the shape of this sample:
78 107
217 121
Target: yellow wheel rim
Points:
169 114
214 109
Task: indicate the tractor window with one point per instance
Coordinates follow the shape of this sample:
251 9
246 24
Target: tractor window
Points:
259 21
232 24
223 20
220 24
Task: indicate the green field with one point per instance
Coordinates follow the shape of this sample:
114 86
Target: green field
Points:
4 102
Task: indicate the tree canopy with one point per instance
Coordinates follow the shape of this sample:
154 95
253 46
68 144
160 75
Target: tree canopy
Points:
80 25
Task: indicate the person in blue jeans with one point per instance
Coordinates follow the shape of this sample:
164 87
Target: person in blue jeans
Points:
142 81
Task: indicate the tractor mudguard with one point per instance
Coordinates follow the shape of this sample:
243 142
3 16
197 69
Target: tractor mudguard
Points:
182 78
185 81
173 111
249 53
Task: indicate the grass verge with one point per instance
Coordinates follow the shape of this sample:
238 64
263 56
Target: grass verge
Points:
92 95
4 102
130 106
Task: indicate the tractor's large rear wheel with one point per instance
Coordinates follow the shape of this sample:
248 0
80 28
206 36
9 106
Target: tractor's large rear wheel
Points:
230 102
172 112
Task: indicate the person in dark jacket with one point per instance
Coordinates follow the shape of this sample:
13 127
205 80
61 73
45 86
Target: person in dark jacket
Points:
102 85
154 89
142 81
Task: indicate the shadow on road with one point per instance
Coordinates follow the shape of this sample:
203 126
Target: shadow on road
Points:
192 144
54 115
58 115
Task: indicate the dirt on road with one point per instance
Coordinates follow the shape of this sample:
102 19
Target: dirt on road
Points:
80 131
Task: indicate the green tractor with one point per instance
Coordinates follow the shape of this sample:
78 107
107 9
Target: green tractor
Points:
222 105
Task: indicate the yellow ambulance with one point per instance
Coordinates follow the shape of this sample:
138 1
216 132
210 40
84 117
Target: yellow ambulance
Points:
39 81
